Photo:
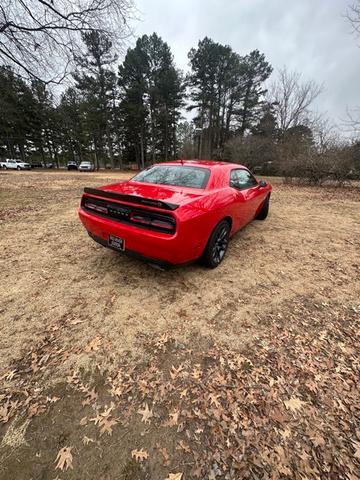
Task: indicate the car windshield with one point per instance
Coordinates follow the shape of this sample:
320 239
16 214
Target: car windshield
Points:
178 175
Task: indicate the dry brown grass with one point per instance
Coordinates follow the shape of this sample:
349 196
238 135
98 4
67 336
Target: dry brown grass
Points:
92 308
52 271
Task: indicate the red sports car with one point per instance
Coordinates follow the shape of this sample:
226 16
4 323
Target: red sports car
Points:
175 212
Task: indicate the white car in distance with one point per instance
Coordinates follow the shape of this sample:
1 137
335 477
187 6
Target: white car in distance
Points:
13 164
86 167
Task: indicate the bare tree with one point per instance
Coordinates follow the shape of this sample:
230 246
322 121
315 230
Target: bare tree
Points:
352 122
39 37
292 99
353 16
353 114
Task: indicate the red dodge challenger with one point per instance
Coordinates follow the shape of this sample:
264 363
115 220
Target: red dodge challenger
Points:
175 212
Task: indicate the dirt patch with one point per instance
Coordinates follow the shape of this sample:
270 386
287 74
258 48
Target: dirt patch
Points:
277 322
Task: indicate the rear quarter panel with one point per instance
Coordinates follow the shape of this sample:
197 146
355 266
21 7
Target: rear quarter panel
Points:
198 219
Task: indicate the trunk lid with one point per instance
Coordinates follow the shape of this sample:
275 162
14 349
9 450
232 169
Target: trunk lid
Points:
164 193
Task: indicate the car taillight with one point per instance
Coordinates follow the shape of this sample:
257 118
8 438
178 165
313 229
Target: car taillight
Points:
162 224
153 221
140 219
96 208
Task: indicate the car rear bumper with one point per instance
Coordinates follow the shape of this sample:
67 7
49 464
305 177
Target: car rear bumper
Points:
163 264
155 247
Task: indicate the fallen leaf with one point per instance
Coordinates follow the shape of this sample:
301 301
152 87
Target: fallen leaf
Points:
52 399
174 417
93 345
35 409
318 441
183 446
357 450
7 410
174 476
183 393
76 322
10 375
83 421
165 454
294 404
106 425
214 399
139 455
92 395
284 470
86 440
146 414
285 433
212 475
174 372
196 372
96 419
64 458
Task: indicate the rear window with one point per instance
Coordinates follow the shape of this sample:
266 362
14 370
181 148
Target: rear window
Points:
178 175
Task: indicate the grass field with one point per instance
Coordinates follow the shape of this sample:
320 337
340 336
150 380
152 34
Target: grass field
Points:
113 370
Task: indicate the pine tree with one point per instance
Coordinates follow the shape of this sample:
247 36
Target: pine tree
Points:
152 92
71 114
17 119
254 73
226 90
97 82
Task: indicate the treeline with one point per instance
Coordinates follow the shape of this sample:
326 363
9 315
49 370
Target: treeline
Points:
134 113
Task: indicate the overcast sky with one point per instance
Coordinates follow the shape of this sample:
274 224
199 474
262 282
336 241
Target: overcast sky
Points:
310 36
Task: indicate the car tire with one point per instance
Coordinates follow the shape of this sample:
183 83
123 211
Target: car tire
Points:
18 169
216 247
264 209
5 167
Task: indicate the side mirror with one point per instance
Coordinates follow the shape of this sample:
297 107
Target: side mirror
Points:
262 183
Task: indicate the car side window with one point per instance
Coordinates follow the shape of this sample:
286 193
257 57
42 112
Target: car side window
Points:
242 179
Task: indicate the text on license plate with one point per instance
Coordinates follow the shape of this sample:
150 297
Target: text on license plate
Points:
116 242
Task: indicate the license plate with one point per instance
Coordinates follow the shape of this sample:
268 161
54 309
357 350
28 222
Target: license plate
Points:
116 242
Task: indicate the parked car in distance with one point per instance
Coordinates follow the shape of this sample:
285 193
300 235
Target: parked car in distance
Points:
72 165
37 165
176 212
13 164
49 165
86 167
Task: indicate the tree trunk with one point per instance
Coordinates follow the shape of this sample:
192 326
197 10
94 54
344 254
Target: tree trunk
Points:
111 151
97 166
22 152
166 139
121 166
142 160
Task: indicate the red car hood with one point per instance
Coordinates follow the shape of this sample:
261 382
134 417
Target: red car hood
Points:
172 194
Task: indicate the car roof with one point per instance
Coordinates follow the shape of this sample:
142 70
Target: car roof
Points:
212 164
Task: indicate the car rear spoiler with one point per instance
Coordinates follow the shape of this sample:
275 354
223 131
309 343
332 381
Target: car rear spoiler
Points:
131 198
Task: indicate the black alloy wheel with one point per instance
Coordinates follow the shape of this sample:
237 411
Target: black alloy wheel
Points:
217 245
